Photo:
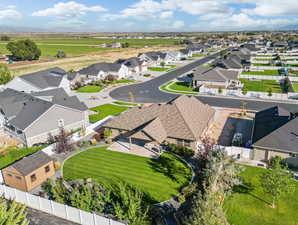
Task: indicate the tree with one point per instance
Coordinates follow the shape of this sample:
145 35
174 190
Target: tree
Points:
219 174
24 50
5 75
270 92
61 54
244 91
277 181
12 213
125 45
4 38
162 64
63 142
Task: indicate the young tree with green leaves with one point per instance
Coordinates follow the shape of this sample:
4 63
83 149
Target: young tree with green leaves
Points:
277 181
162 64
24 50
5 75
12 213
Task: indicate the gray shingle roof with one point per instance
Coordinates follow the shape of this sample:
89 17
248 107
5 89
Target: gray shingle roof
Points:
276 129
214 74
46 78
22 109
31 163
94 69
130 62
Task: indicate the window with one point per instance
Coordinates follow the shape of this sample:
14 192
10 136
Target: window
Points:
61 123
19 178
33 177
47 169
187 143
179 142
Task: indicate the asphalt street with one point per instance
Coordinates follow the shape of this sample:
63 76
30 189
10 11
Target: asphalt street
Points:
148 92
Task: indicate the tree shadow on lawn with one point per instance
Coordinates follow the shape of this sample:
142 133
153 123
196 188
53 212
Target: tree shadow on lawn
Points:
168 167
247 188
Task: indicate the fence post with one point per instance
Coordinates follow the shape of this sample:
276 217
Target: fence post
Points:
52 208
66 211
94 219
39 203
81 219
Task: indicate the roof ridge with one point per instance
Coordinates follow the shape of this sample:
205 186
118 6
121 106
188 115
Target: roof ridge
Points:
187 125
221 74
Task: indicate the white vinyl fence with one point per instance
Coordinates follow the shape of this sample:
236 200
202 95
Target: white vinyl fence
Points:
56 209
240 153
261 77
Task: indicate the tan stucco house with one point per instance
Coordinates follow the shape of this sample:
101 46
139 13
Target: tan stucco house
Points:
181 121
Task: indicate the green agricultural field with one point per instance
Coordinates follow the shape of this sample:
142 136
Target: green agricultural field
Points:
83 46
150 176
90 89
261 86
265 72
250 205
106 110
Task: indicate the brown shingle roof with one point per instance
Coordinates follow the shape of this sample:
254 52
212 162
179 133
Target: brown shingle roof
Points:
184 117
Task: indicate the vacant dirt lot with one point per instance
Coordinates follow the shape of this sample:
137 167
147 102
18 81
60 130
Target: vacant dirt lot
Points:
79 62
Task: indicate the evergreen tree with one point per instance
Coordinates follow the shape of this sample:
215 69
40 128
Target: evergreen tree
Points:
12 213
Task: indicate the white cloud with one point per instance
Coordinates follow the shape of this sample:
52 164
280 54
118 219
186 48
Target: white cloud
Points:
178 24
166 14
68 10
165 8
274 8
10 14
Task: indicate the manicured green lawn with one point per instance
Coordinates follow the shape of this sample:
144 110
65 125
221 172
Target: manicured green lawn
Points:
265 72
181 86
106 110
197 55
125 103
262 59
90 89
294 73
159 69
165 87
295 86
264 55
249 204
147 174
262 64
262 85
14 154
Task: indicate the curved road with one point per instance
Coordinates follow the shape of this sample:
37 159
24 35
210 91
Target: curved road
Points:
148 92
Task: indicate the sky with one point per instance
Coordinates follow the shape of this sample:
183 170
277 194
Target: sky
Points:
149 15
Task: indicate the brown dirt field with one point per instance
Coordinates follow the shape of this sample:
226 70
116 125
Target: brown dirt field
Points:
80 62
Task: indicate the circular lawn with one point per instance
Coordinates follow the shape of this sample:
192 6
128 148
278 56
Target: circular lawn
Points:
161 178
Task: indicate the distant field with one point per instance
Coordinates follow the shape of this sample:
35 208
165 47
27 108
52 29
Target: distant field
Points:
75 47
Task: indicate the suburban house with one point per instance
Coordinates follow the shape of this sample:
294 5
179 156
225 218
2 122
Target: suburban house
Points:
101 71
174 56
215 78
41 81
274 134
134 65
182 121
30 118
235 60
152 58
29 172
196 48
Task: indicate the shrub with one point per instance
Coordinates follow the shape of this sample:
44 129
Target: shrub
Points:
180 150
61 54
5 75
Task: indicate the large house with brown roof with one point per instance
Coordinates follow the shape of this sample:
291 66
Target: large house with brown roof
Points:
181 121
